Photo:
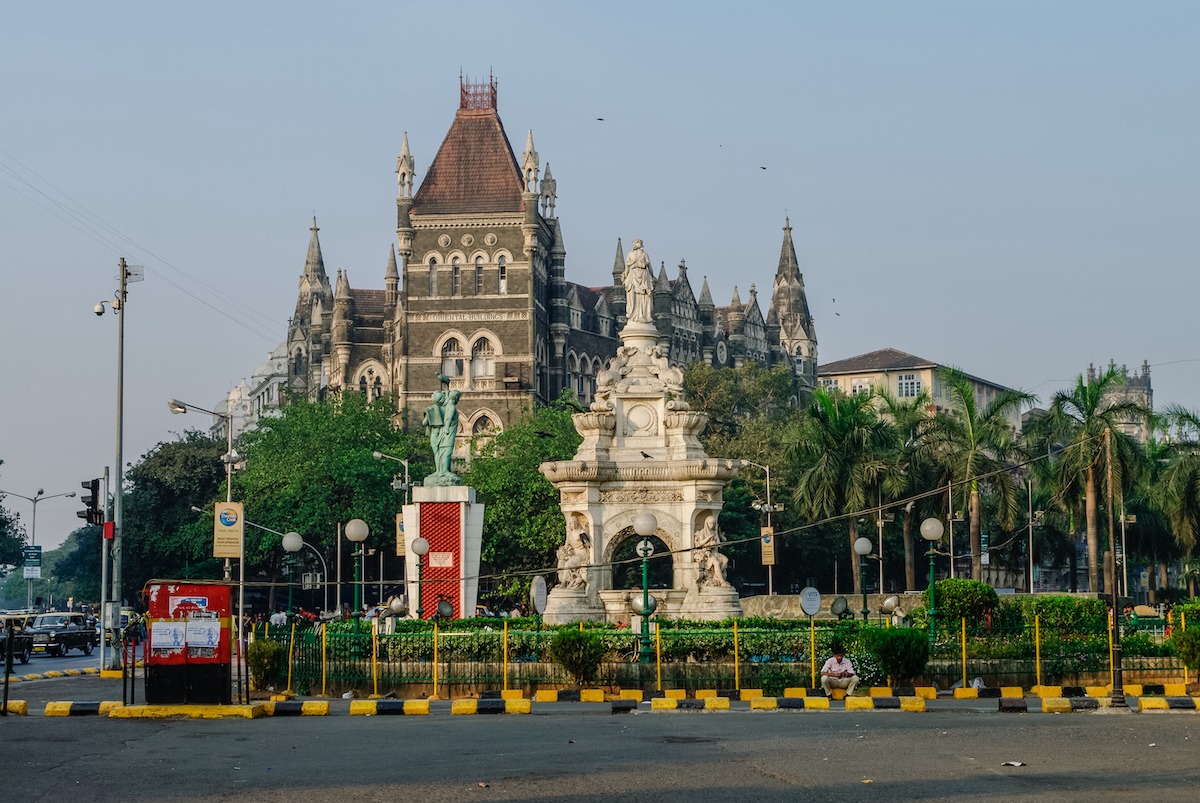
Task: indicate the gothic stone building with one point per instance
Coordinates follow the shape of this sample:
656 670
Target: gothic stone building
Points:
475 289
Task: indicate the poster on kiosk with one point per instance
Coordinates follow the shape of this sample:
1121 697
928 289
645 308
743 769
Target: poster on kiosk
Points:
190 632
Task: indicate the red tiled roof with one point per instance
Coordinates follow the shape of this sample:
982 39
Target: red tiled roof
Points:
474 170
881 360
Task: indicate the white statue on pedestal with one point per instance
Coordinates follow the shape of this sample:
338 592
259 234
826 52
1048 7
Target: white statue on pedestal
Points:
711 562
573 558
638 286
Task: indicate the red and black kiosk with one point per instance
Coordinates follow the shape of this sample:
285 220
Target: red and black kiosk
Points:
191 631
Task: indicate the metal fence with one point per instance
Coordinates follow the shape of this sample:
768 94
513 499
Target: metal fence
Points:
452 660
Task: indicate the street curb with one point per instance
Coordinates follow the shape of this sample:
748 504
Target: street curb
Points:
297 708
76 708
1167 704
473 706
371 708
19 708
253 711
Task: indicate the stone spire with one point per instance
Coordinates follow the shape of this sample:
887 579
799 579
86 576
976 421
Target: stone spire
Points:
706 299
549 194
404 170
391 279
314 263
529 164
790 331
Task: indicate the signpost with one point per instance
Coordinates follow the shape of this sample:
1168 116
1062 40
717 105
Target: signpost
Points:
810 603
32 558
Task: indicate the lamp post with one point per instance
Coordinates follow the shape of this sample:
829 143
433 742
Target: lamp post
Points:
124 276
230 457
768 508
931 531
862 548
357 532
645 525
304 544
420 548
37 497
405 485
1117 695
292 543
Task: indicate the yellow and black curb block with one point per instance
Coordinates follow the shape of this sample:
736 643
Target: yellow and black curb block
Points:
570 696
19 708
712 703
371 708
296 708
252 711
1173 703
81 709
490 706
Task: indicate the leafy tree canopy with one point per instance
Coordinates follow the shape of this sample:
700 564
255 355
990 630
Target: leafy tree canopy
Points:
522 523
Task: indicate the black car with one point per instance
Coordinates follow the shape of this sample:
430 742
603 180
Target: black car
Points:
56 633
22 641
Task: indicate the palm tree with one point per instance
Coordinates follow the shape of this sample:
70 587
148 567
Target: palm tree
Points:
1178 489
914 466
842 456
974 444
1076 425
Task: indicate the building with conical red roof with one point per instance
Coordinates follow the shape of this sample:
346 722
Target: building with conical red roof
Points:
475 290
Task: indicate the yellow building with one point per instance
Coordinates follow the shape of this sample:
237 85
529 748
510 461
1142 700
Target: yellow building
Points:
904 376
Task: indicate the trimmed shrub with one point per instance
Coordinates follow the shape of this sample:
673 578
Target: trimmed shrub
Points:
579 653
1186 644
265 661
902 653
959 598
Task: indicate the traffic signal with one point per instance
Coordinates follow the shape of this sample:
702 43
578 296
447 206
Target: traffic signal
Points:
93 502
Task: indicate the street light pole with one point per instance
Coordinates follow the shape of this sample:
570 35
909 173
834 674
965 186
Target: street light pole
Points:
769 509
1118 690
357 532
420 547
118 305
863 547
645 524
292 543
37 497
931 531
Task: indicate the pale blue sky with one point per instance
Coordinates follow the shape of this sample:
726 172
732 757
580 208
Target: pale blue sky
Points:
1008 187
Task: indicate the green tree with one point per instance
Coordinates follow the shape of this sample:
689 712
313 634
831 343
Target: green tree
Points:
161 535
12 537
522 522
733 397
843 455
914 466
1178 488
1078 422
973 442
312 467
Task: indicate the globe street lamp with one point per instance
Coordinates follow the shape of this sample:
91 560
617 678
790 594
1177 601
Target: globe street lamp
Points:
862 548
37 497
292 543
645 525
931 531
357 532
420 548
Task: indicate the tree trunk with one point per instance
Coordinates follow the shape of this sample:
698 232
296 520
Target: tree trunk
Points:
854 561
910 569
976 539
1093 537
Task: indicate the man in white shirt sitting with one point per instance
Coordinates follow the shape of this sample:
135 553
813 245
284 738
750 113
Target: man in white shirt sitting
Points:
838 673
278 619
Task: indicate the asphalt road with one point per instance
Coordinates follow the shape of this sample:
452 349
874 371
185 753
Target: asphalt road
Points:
580 753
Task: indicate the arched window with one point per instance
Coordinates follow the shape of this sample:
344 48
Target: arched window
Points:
482 426
478 276
362 384
483 359
298 365
452 359
432 276
455 278
503 265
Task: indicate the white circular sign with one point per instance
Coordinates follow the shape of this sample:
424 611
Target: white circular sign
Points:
644 548
537 590
810 600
